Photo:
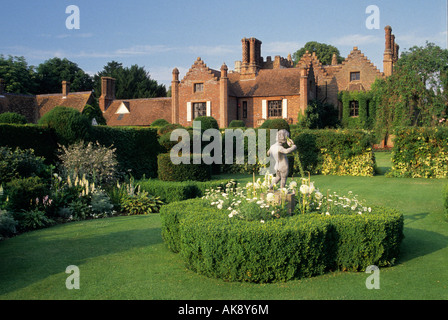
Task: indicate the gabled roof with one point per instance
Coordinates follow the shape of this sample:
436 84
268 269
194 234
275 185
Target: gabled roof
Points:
76 100
200 66
268 82
356 54
142 112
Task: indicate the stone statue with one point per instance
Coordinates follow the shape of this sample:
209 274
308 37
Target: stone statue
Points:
279 153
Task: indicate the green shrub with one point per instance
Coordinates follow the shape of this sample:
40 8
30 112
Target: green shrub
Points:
19 164
237 124
69 124
172 191
319 115
12 118
167 171
278 124
41 139
159 123
94 112
142 203
22 193
335 152
168 128
32 219
8 226
420 153
278 250
207 123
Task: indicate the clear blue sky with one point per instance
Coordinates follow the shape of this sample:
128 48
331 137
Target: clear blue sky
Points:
161 35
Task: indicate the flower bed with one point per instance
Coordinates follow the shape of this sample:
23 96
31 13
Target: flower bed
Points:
220 237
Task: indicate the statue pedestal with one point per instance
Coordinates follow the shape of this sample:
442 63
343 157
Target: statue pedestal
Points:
288 199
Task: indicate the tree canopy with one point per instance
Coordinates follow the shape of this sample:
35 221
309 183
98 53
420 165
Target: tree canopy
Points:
131 83
324 52
52 72
19 77
417 93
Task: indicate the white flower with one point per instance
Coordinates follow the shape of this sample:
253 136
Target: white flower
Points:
304 189
293 184
318 195
327 213
262 221
369 209
219 206
270 197
311 188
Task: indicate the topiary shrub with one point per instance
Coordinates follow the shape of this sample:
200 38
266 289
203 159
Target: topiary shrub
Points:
207 123
167 171
159 123
278 124
168 128
69 124
12 118
237 124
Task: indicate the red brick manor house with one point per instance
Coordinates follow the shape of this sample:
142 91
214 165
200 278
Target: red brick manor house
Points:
257 89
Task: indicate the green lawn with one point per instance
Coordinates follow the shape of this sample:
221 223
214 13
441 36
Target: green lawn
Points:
125 258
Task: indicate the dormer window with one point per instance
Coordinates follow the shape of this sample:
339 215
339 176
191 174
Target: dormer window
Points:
355 76
198 87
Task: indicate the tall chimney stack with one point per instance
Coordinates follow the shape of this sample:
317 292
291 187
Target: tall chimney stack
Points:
65 89
107 93
388 53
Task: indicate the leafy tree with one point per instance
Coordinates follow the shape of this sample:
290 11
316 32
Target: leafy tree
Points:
94 112
319 115
131 83
52 72
416 94
324 52
18 76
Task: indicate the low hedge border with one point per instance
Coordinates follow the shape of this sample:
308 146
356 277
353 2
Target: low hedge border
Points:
172 191
279 250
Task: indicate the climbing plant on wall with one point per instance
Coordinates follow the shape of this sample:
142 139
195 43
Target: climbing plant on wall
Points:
364 117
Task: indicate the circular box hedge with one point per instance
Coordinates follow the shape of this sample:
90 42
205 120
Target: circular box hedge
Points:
279 250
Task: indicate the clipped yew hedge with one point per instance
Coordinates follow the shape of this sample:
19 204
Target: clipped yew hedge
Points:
168 171
279 250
